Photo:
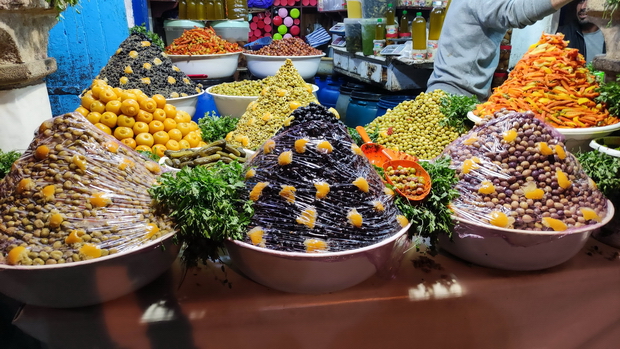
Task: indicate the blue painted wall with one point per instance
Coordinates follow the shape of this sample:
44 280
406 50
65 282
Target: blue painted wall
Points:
82 43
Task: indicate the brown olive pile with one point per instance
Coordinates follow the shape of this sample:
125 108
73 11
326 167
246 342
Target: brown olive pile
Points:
515 172
287 47
76 194
405 180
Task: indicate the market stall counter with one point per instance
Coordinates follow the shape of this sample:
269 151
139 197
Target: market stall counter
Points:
438 302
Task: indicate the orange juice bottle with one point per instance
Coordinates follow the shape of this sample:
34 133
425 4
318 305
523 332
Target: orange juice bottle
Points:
418 32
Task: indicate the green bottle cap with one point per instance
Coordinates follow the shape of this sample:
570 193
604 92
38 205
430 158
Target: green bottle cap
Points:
390 5
404 12
418 14
379 20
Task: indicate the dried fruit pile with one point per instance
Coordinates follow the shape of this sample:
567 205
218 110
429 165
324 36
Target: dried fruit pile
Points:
201 41
414 127
552 81
138 64
283 93
315 191
287 47
76 194
140 122
514 172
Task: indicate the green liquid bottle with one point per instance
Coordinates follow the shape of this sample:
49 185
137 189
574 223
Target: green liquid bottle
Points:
403 30
389 15
435 21
380 30
201 10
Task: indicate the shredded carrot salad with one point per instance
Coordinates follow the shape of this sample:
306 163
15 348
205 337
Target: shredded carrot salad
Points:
201 41
552 81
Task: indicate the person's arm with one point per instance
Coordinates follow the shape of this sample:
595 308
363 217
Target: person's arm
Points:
557 4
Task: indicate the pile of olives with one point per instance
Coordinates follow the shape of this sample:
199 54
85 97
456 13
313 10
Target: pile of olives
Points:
414 127
405 180
246 88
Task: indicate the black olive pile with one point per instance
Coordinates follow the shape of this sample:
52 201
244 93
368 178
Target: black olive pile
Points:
515 172
314 190
138 64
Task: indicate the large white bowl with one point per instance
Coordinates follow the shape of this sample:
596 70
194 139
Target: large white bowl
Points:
264 66
235 106
187 104
314 273
89 282
215 66
576 138
607 145
511 249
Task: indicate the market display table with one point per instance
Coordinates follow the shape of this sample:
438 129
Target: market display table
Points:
439 302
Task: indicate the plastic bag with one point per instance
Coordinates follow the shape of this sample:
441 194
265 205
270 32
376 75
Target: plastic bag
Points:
515 172
260 3
75 194
315 191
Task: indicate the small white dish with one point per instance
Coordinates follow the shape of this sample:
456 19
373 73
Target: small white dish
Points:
216 66
263 66
186 104
89 282
512 249
314 273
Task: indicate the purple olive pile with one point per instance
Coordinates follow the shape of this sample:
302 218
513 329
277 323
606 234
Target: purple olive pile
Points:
405 180
514 172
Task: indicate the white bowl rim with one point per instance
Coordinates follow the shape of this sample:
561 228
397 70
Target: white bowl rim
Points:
88 261
205 56
565 131
321 255
570 231
594 144
185 97
281 57
208 91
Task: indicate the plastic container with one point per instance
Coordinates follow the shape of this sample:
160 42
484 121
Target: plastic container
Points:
418 32
362 108
389 102
369 26
404 31
328 96
174 28
435 21
376 8
233 31
237 9
353 34
345 96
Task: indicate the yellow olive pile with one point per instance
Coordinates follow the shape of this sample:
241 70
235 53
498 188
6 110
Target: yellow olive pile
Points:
414 127
139 121
284 93
405 180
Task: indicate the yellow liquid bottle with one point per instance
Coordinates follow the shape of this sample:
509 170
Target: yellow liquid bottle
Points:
418 32
191 9
403 30
389 15
202 10
436 21
219 9
380 30
183 9
210 4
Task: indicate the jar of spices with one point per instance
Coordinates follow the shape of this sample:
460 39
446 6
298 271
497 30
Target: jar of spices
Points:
504 58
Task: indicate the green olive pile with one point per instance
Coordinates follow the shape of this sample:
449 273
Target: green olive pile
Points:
246 88
282 94
414 127
405 180
206 156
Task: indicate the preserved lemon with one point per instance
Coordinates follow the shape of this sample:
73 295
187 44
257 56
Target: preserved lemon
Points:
322 189
257 190
532 192
355 218
499 219
269 146
288 193
486 187
256 236
545 149
315 245
307 217
559 150
554 224
378 205
100 199
589 214
285 158
402 220
324 147
151 230
563 180
361 184
89 251
510 135
300 145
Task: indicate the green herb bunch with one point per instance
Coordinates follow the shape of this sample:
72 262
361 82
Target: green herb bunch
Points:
213 127
609 94
207 206
61 5
155 39
604 170
355 135
6 161
432 216
455 109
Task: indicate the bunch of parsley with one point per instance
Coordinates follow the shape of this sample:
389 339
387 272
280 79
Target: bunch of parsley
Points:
609 94
604 170
432 216
208 207
6 161
213 127
455 109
